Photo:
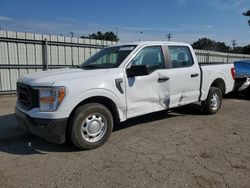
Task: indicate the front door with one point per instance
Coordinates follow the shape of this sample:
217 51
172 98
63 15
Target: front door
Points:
148 93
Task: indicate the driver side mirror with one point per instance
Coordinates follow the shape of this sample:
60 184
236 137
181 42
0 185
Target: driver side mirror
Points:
137 70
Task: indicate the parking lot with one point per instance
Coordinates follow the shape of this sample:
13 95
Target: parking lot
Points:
179 148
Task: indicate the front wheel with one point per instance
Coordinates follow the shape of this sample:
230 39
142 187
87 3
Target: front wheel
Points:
90 126
213 102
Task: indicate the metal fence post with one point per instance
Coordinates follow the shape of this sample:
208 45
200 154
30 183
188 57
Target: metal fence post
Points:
207 60
71 49
45 55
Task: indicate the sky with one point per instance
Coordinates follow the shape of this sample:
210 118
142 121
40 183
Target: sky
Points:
186 20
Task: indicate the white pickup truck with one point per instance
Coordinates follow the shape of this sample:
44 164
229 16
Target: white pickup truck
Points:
115 84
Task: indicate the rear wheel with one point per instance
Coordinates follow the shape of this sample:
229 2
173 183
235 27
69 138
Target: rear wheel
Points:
213 102
90 126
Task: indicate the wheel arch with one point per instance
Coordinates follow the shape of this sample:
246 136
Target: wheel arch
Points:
105 101
219 83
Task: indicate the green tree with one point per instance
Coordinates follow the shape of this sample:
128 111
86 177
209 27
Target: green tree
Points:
242 49
208 44
246 49
247 13
109 35
204 44
222 47
238 50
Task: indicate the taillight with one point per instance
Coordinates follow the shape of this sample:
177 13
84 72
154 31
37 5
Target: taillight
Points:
233 72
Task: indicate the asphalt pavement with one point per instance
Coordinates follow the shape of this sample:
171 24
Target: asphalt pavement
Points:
178 148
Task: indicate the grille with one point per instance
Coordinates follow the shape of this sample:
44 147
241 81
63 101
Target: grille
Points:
27 96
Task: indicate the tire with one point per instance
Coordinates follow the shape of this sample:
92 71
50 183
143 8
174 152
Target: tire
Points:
213 102
90 126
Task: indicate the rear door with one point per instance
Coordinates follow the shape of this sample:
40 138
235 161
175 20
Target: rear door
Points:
184 76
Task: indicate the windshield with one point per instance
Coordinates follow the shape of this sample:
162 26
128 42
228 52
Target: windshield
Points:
110 57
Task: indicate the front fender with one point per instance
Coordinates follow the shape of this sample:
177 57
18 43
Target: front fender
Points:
75 100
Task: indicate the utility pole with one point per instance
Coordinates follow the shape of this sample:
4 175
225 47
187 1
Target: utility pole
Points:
169 36
72 34
141 35
116 32
234 44
72 56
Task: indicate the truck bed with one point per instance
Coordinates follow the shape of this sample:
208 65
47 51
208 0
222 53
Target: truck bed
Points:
212 70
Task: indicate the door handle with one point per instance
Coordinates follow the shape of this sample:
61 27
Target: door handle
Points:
194 75
163 79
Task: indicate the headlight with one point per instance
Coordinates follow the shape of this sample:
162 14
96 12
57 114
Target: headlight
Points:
50 98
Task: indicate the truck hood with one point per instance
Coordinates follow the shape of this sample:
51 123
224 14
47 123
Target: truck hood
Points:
48 78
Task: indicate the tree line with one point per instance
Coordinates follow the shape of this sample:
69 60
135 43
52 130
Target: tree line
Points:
109 35
208 44
202 44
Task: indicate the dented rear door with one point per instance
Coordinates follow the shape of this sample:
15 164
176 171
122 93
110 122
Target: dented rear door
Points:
184 76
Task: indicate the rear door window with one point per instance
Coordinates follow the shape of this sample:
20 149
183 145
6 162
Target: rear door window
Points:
180 56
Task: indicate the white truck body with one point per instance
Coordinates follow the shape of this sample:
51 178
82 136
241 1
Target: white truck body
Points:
162 89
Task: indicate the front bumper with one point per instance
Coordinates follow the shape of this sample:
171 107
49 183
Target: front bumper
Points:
51 130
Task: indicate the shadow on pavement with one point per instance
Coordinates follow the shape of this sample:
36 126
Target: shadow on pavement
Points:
14 140
238 95
156 116
191 109
8 127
